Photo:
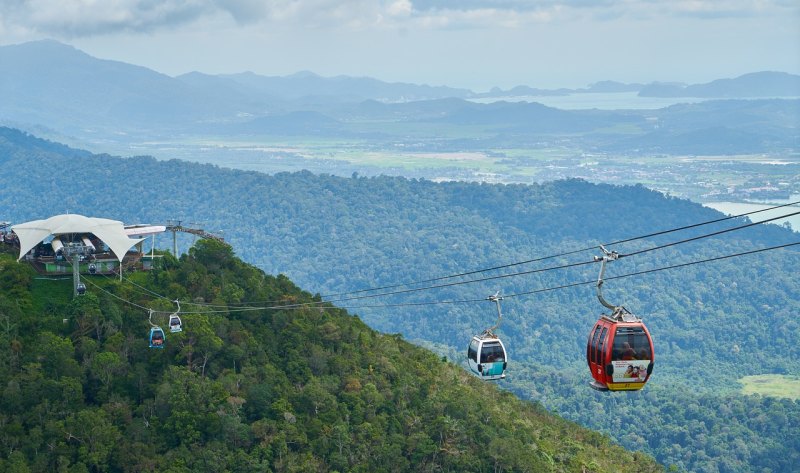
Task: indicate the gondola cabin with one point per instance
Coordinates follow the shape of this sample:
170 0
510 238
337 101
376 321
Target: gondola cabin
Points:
620 354
487 358
157 337
175 324
80 289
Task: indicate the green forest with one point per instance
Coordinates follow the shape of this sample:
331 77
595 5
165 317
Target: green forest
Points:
305 388
712 324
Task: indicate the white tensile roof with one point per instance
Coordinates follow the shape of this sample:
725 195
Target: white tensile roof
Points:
111 232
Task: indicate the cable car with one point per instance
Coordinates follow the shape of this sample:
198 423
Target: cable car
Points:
92 268
486 354
175 324
80 288
157 337
619 351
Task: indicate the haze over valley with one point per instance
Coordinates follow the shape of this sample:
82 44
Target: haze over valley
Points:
729 140
378 236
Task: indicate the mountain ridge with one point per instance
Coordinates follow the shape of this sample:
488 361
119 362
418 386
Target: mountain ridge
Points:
338 235
281 390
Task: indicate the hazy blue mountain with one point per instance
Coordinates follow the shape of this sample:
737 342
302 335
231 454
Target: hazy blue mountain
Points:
341 88
602 87
47 85
55 85
610 86
223 88
756 84
720 127
50 83
536 117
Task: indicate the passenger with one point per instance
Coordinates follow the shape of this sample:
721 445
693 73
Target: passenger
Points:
628 353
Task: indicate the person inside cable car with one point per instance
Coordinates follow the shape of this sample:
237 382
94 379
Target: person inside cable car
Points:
157 338
492 353
644 354
628 353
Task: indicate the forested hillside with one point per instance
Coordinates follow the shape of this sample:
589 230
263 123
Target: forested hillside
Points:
712 323
300 389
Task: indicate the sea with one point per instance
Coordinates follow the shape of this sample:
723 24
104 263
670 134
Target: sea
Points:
738 208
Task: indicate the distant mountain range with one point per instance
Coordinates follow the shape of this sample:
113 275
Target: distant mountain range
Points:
757 84
56 90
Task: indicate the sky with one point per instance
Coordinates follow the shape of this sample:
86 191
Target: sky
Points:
473 44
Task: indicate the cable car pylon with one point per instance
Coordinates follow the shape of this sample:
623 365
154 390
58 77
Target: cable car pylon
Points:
619 351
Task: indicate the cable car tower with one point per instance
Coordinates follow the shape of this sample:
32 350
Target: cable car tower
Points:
176 226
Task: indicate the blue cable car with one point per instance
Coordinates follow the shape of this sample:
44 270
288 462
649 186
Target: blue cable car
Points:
486 355
157 337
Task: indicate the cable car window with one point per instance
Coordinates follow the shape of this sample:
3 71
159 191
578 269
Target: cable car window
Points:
593 348
601 345
630 343
492 353
472 352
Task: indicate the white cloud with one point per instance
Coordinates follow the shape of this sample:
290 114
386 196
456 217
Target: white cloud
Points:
83 18
400 8
90 17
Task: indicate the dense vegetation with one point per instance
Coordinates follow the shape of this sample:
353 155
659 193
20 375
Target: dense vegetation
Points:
308 389
712 323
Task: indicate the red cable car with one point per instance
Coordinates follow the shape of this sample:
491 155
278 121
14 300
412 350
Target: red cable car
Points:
619 351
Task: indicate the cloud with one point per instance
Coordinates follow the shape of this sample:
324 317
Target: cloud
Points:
81 18
75 18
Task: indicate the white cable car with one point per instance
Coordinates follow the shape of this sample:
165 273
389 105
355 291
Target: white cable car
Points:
175 324
486 355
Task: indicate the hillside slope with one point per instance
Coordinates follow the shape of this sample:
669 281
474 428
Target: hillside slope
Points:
712 323
304 388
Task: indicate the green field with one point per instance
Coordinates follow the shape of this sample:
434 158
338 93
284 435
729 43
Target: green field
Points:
774 385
